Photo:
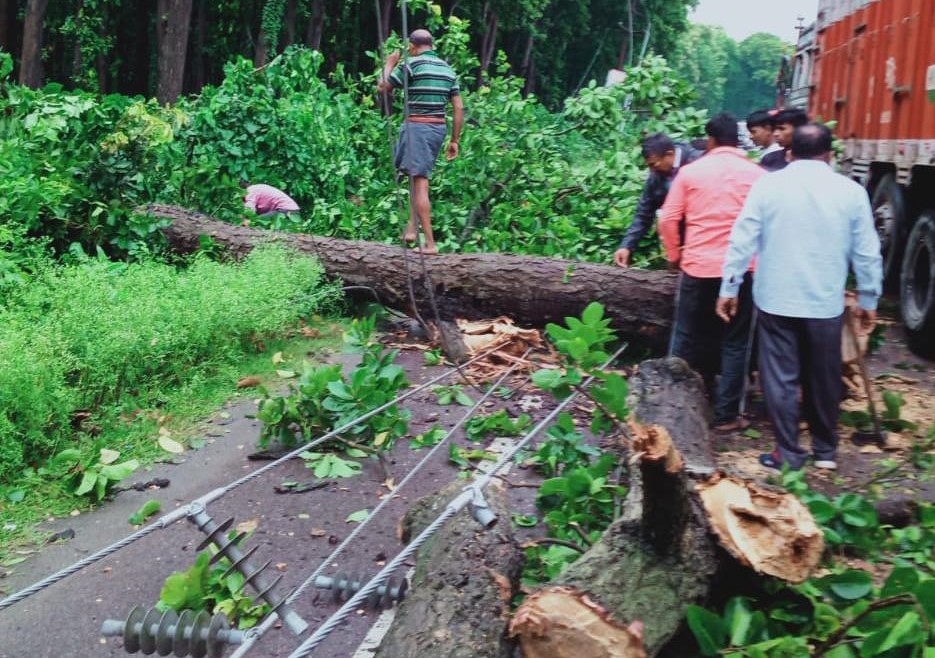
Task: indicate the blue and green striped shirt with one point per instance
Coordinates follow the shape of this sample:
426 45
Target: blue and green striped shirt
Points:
432 83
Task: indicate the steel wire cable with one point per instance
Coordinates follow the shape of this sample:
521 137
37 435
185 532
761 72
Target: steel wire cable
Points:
253 635
456 505
181 512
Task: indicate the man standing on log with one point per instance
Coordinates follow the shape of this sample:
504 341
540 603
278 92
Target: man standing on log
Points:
664 158
705 200
806 224
431 84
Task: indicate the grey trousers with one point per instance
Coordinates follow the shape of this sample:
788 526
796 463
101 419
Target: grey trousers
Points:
806 353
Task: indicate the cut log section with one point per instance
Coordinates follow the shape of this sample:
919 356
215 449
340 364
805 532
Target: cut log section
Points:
465 578
661 554
531 290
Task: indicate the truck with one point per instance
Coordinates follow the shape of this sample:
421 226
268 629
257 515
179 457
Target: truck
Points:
869 67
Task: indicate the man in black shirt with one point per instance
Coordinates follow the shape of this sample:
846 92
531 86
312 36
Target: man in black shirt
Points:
664 158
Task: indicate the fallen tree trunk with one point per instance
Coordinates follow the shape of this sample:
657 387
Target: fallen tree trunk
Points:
530 290
626 596
459 602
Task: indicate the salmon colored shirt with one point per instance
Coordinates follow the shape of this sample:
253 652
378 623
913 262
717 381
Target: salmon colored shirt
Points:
262 199
708 194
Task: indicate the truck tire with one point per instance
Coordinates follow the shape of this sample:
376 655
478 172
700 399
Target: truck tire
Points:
917 286
891 223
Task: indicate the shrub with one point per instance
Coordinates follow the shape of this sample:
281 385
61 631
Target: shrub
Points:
98 333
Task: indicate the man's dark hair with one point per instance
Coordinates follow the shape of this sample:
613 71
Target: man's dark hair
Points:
793 116
813 140
420 38
658 145
722 128
760 118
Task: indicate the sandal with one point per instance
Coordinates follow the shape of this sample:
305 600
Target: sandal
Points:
771 460
728 426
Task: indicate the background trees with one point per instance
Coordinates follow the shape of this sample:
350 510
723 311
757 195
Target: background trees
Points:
169 47
727 75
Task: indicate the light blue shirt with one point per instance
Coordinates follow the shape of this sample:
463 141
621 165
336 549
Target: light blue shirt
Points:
806 225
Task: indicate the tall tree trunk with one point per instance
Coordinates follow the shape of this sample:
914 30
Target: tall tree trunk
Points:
528 68
5 25
197 74
172 26
489 44
289 18
30 72
386 19
261 49
78 57
316 24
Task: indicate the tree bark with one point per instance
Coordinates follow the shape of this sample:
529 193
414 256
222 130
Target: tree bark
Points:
658 557
316 24
489 44
662 555
197 75
5 26
465 578
30 72
531 290
289 18
172 27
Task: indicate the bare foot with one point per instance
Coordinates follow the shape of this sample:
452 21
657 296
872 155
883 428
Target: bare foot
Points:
409 237
429 251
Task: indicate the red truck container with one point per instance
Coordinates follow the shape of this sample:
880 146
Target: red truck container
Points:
869 65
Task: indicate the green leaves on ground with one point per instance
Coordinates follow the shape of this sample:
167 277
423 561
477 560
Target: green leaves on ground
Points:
452 393
149 508
498 423
88 475
326 465
204 586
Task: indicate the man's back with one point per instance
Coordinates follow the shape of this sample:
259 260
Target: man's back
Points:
709 194
813 222
432 82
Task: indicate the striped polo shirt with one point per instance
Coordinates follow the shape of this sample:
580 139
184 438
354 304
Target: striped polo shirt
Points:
432 83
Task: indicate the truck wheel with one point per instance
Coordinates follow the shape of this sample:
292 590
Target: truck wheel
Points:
917 288
889 218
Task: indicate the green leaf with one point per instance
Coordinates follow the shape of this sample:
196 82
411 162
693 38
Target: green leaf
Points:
16 496
87 483
109 456
525 520
708 629
117 472
850 585
906 632
357 517
548 378
925 593
463 399
738 616
901 580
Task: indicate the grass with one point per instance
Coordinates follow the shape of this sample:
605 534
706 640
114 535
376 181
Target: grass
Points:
135 435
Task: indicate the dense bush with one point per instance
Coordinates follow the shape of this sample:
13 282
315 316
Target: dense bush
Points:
103 334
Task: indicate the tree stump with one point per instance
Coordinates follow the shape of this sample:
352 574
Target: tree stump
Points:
625 597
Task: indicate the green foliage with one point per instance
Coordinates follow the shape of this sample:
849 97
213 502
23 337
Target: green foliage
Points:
324 398
201 587
326 465
428 438
452 393
89 474
149 508
99 336
499 423
847 520
564 447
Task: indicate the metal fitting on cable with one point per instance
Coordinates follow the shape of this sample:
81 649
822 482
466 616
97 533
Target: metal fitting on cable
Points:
480 509
153 631
343 587
240 561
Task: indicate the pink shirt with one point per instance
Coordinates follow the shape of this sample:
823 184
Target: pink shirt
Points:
708 194
262 199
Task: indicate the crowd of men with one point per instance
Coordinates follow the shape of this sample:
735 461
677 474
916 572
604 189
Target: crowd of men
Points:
763 249
763 252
